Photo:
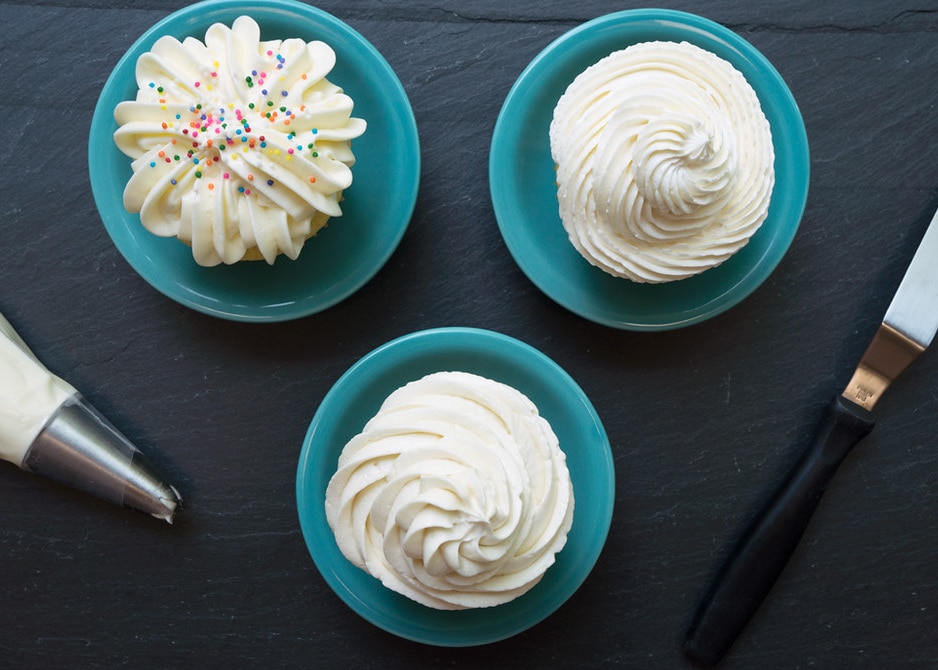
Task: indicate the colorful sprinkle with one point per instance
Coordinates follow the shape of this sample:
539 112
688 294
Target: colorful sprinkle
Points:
222 126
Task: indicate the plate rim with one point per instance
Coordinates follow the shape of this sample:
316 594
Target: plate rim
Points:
796 152
194 19
310 495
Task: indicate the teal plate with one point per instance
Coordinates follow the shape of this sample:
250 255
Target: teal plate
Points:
345 255
356 397
524 196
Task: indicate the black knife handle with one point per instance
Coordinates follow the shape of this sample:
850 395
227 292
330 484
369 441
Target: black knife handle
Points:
763 550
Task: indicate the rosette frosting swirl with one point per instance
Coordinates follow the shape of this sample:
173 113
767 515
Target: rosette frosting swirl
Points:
665 163
456 494
241 147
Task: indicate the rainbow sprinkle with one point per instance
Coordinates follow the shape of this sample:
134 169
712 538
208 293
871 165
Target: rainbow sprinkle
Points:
209 129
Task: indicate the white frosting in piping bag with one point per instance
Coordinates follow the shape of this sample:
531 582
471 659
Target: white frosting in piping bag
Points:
456 493
29 395
665 163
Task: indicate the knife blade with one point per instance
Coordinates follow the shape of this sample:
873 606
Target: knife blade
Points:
763 550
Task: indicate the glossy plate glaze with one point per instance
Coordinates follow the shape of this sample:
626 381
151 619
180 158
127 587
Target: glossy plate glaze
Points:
343 256
356 397
524 195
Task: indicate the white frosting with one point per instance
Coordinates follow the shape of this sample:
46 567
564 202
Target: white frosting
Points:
29 395
665 163
456 494
241 147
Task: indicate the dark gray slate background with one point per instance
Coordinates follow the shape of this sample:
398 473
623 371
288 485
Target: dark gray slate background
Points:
703 421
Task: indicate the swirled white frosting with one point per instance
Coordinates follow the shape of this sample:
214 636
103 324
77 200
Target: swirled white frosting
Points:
456 494
241 147
665 163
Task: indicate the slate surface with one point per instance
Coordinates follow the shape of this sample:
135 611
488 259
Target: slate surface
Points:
703 421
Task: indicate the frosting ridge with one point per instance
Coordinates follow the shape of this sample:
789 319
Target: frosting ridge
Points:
665 163
455 494
240 147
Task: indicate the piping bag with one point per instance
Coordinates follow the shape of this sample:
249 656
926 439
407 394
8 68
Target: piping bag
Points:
48 428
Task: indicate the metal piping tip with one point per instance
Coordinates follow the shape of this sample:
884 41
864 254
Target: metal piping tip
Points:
82 449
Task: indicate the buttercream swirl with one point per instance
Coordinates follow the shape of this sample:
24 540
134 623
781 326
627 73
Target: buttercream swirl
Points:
665 163
456 494
240 147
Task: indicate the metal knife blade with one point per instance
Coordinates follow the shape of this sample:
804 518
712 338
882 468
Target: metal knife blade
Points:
907 329
762 552
914 309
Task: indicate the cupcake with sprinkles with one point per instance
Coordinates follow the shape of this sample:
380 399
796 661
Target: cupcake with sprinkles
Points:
241 148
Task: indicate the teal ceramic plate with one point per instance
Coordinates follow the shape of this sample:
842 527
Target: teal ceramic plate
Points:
524 196
343 256
356 397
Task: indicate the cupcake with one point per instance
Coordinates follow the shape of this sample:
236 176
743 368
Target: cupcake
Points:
664 162
240 148
456 494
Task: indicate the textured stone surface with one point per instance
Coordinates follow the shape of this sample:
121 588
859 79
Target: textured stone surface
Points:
703 421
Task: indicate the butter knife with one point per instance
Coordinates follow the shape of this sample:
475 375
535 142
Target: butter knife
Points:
763 550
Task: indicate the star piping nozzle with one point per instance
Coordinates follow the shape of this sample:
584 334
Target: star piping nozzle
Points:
48 428
82 449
